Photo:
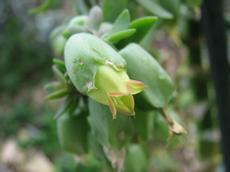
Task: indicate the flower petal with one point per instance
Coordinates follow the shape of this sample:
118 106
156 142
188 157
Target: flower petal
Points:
124 104
112 107
135 86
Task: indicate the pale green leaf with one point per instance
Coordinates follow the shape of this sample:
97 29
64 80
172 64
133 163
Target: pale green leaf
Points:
72 133
116 37
143 67
108 132
121 23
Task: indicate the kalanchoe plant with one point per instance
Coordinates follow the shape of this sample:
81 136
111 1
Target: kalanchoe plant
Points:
106 72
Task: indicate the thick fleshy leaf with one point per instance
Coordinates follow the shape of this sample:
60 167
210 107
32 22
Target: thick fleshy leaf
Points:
104 28
75 25
116 37
58 94
59 64
58 41
144 123
94 18
121 24
142 66
161 129
54 86
108 132
96 148
142 27
69 106
72 133
155 8
59 75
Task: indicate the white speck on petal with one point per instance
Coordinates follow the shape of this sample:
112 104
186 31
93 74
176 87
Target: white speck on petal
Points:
108 62
90 85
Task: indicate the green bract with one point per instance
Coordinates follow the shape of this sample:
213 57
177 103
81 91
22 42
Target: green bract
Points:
97 70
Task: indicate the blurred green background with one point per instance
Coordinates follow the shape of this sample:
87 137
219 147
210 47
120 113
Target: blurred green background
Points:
28 139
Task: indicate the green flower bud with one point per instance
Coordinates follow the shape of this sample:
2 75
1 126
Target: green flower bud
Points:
114 88
98 71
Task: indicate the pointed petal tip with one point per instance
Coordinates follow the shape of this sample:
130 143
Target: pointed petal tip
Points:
133 114
135 86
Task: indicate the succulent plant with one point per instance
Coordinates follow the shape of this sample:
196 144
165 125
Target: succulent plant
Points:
97 70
